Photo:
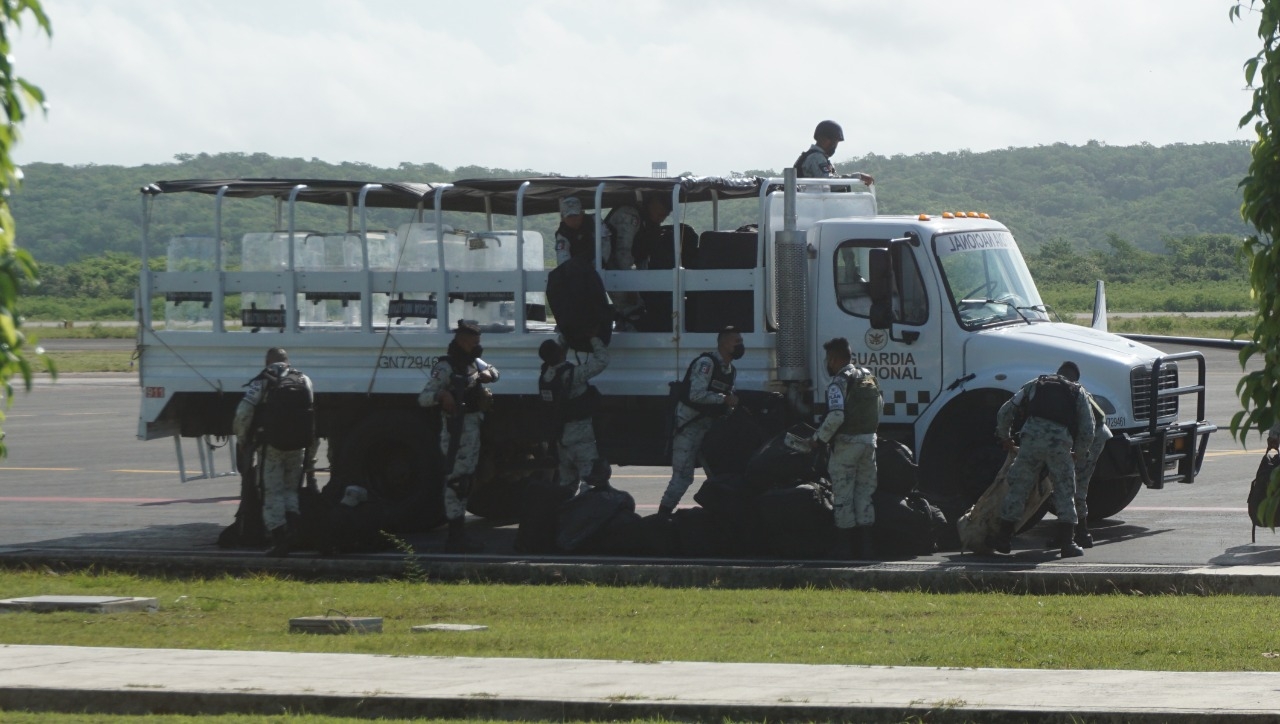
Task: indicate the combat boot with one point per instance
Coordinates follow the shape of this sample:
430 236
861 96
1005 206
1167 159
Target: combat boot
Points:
846 547
456 542
1066 541
1084 538
599 475
866 543
281 542
1001 541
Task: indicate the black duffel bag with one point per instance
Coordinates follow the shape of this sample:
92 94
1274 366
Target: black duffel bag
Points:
797 522
777 465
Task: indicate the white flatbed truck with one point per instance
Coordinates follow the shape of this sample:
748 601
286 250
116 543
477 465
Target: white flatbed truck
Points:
940 306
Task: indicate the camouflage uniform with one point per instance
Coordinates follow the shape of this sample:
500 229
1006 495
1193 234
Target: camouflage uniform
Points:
457 480
282 470
692 425
1089 460
815 164
566 236
625 223
577 444
852 464
1046 447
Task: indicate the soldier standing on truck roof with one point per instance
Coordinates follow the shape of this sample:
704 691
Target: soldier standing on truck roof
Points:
1058 420
854 404
816 162
276 419
566 387
706 394
1085 465
577 227
457 386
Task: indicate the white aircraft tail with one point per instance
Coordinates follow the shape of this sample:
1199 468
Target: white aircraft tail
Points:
1100 307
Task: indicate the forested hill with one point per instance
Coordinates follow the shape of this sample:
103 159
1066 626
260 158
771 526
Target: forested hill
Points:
1078 194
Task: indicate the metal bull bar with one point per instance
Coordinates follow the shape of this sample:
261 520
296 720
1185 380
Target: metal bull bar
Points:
1177 445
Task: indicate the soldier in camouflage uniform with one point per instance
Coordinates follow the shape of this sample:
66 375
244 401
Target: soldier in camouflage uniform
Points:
1086 463
816 162
280 471
853 414
577 227
566 387
1058 420
635 232
707 394
457 386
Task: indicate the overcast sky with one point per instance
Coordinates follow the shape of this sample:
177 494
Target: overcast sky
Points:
600 88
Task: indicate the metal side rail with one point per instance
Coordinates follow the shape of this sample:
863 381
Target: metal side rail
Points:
206 447
1179 445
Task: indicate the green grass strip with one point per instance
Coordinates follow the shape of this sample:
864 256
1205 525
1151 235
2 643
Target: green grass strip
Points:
1174 633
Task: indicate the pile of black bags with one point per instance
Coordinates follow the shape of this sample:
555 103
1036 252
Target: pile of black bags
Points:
775 502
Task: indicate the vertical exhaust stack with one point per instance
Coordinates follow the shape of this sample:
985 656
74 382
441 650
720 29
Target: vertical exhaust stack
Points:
791 291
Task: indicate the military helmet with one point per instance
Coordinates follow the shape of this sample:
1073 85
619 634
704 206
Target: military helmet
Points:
829 129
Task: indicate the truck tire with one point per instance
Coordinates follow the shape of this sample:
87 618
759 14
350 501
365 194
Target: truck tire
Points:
961 455
396 457
1110 496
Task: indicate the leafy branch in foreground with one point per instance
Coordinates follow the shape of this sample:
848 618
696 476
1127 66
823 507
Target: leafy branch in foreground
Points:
16 265
1258 390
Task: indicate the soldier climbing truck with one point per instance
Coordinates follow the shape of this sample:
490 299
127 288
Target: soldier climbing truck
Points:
363 282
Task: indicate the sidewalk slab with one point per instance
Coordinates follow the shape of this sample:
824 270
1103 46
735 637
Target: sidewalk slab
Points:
137 681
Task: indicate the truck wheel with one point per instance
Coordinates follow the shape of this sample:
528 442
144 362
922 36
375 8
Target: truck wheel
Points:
1109 496
961 455
395 455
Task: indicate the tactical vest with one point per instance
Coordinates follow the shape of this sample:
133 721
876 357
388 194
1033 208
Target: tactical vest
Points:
465 388
799 164
862 402
1054 399
721 382
286 413
555 392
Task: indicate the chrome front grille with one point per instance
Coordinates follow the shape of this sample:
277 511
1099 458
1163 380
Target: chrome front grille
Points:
1140 383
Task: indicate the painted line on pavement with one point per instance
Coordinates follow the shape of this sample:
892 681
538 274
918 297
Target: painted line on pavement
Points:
127 501
1188 509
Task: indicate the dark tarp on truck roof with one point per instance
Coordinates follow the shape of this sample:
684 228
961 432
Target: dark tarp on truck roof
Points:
542 196
393 194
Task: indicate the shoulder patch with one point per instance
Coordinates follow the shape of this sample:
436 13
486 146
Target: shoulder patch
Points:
835 397
704 365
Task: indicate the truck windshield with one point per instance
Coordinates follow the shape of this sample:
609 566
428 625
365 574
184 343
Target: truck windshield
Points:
987 279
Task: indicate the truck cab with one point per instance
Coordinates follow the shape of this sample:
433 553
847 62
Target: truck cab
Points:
943 310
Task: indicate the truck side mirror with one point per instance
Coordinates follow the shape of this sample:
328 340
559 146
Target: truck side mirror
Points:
881 280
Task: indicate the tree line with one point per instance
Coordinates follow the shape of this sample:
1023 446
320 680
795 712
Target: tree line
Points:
1142 215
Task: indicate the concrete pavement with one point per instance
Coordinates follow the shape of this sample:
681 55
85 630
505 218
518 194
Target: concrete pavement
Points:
137 681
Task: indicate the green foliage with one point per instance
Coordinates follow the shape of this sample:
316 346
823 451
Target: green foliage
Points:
1072 194
1259 392
16 265
1077 194
1202 273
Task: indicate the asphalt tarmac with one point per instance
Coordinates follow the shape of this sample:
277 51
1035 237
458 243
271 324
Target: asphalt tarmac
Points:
77 477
